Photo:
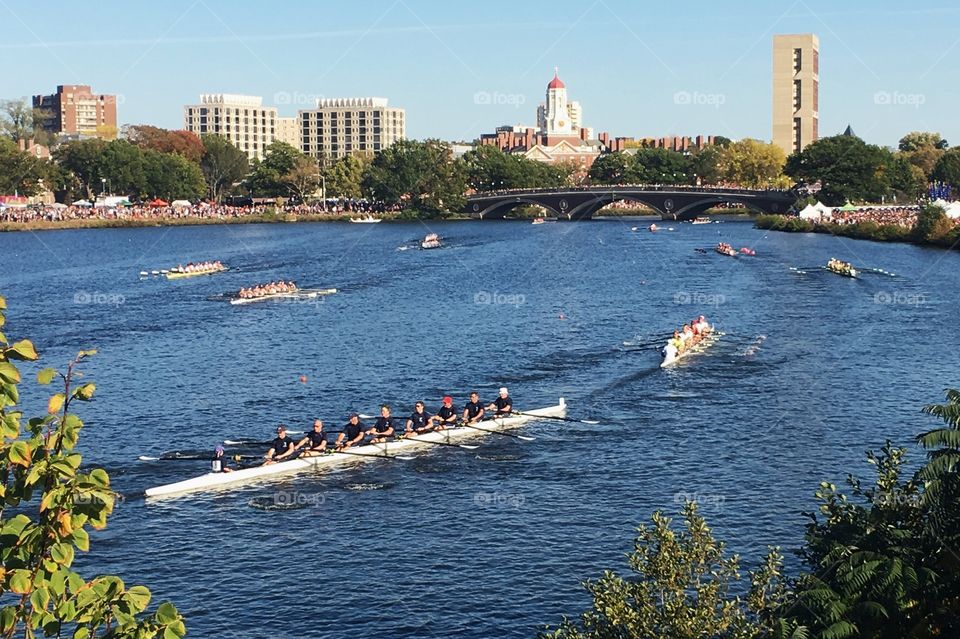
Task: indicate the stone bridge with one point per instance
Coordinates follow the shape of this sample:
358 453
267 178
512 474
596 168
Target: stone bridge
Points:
671 202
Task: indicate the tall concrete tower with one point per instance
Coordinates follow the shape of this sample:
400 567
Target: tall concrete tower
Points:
796 90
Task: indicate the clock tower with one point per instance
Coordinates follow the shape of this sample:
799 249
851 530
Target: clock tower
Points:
554 113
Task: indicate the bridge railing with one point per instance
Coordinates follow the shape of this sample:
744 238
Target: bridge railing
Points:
607 188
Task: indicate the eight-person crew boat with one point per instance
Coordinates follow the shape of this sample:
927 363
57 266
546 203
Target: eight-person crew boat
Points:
692 338
841 268
725 249
192 269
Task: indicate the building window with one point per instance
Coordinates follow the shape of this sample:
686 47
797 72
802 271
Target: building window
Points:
796 134
797 60
797 95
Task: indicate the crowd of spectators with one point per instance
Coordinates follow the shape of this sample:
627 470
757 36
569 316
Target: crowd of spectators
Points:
203 210
905 216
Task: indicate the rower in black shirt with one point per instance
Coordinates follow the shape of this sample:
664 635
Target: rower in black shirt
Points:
315 441
502 404
419 421
281 448
447 415
351 434
383 428
473 410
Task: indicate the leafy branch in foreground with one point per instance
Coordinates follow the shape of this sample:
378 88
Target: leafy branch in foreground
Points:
46 508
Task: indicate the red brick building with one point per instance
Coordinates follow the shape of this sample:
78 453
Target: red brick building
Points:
75 110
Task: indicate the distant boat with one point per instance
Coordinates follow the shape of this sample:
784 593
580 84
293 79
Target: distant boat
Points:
538 220
653 228
366 220
701 220
431 241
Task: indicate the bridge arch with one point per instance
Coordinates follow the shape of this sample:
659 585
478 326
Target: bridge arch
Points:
499 210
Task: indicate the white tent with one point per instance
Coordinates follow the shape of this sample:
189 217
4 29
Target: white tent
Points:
82 203
810 212
58 205
825 211
953 210
181 203
943 204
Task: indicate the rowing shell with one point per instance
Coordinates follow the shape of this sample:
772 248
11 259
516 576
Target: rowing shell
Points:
176 275
213 481
699 347
297 295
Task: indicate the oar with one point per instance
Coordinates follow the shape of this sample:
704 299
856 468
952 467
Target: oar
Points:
879 271
430 441
561 419
196 457
498 432
384 456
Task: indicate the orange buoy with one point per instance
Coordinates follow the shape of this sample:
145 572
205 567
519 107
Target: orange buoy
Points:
303 379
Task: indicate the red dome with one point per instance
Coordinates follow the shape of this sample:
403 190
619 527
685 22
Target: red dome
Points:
556 83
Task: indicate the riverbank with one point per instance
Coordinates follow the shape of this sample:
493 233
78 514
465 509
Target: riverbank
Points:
266 218
859 231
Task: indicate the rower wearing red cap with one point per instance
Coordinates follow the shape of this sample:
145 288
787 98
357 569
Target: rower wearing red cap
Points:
447 415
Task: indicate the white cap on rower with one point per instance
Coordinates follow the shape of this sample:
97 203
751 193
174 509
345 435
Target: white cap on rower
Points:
503 391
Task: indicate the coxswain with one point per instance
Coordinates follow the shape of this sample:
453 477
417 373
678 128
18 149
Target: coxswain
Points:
219 462
315 442
281 448
502 404
447 415
351 434
420 421
473 410
383 428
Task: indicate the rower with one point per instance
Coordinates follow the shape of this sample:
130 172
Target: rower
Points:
281 448
502 404
351 434
702 326
447 415
677 342
420 421
315 441
383 428
473 410
219 463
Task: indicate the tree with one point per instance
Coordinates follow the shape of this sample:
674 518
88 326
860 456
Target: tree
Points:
921 139
705 165
223 165
683 588
659 166
488 168
421 175
905 177
345 176
122 166
612 168
303 179
266 177
846 167
752 164
21 172
947 168
49 503
924 158
171 176
81 158
183 143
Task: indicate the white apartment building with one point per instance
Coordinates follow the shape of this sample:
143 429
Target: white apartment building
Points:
287 131
242 119
338 127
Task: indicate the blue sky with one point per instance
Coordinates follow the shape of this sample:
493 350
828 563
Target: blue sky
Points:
460 69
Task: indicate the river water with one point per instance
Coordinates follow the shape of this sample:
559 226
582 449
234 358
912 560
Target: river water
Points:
813 370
